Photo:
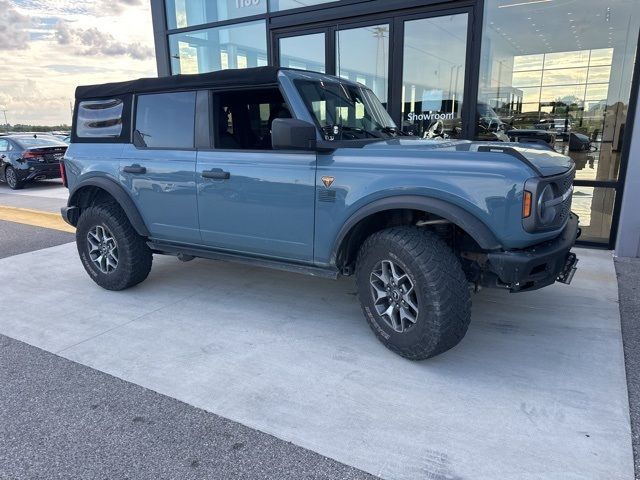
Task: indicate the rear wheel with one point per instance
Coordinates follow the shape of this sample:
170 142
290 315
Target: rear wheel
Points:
112 252
11 177
413 292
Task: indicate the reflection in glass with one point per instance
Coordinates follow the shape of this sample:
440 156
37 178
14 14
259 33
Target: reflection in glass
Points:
584 55
433 76
306 52
565 76
362 55
276 5
594 206
185 13
242 45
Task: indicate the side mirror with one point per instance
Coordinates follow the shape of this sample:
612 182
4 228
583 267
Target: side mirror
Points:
292 134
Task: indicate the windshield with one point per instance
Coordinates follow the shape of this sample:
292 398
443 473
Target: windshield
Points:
346 111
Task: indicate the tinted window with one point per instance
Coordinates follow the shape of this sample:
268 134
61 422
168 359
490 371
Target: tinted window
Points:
99 118
4 145
243 119
166 120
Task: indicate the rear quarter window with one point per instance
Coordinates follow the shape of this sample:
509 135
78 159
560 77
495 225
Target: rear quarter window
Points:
100 118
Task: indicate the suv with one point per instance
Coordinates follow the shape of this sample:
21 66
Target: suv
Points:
308 173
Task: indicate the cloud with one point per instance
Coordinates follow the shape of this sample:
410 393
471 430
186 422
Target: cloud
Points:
92 41
115 6
14 27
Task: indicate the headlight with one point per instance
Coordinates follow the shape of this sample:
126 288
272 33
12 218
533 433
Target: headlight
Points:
546 214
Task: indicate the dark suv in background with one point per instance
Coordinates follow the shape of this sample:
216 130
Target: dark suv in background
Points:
24 158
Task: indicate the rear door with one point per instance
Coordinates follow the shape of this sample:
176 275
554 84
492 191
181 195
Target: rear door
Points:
158 169
252 199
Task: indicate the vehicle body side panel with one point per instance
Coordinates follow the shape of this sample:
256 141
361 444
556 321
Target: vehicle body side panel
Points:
265 207
165 194
363 176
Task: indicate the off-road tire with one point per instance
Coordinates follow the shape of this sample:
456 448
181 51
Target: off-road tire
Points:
11 177
442 291
134 256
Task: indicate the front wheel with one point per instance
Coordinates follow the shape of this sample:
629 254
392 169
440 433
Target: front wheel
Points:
112 252
413 292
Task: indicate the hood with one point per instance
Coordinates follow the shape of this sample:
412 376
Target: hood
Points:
544 161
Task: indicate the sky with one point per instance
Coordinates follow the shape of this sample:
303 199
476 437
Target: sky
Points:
48 47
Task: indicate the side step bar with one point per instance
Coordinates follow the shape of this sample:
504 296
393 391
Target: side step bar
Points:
173 249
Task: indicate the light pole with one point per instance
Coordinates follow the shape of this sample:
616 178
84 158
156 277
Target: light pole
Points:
6 123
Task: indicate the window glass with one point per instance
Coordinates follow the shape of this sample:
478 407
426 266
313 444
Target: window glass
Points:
362 55
99 118
306 52
584 53
40 141
166 120
242 45
433 76
344 111
243 119
186 13
4 145
276 5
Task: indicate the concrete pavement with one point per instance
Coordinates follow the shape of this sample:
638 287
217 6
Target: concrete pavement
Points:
536 390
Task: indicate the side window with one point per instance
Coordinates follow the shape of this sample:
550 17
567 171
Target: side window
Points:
4 145
165 120
242 119
99 118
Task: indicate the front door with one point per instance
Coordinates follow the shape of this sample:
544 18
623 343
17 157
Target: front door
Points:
251 199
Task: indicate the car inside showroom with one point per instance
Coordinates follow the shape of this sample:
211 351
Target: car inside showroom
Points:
558 72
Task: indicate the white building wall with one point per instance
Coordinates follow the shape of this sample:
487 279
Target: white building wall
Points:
628 242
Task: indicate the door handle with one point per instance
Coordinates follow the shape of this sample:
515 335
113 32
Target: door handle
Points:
216 173
134 169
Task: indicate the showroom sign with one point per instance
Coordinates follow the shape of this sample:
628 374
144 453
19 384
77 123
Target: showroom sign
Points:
416 117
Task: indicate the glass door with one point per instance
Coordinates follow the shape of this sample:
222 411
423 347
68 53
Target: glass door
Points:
433 75
304 51
415 64
362 55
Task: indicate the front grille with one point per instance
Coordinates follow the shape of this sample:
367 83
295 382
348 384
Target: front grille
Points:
562 186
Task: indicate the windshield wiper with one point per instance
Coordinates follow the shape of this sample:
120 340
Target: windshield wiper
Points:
394 131
346 128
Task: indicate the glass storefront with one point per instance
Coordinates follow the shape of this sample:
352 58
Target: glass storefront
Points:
371 69
565 68
499 70
187 13
241 45
433 76
306 52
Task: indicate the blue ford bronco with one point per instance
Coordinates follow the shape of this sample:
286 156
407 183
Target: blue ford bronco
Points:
307 172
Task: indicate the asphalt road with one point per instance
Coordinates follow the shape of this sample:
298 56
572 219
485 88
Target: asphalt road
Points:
16 238
628 271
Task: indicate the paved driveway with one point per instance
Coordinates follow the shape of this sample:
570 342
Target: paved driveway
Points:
536 390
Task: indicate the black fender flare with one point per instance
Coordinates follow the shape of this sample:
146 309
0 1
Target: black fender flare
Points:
477 229
119 194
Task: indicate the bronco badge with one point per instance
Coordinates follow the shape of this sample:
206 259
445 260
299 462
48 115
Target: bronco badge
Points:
328 181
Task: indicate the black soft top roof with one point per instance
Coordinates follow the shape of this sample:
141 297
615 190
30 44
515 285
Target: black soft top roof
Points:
222 78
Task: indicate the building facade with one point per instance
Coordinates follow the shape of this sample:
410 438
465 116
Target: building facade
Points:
469 69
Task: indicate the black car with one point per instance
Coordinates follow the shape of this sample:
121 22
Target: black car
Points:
24 158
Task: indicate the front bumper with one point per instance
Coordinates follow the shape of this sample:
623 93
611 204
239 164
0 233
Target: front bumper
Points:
540 265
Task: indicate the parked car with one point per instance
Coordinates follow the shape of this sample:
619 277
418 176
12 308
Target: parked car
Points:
308 173
24 158
562 126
